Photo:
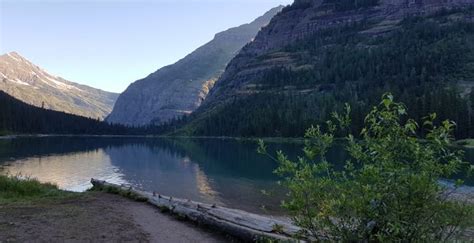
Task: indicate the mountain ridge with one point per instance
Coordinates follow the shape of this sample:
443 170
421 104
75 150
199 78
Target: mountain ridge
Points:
178 89
28 82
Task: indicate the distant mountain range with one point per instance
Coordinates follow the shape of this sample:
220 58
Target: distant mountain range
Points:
29 83
178 89
307 60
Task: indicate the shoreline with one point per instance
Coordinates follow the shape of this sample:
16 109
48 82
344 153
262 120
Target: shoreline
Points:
31 211
265 139
461 143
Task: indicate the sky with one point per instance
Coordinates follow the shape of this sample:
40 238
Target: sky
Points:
109 44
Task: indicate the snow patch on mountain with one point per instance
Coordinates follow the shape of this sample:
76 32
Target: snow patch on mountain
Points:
61 85
20 82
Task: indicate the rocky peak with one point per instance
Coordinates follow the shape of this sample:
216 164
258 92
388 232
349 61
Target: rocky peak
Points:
15 56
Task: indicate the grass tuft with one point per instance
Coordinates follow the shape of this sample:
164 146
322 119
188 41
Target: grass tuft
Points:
124 193
18 188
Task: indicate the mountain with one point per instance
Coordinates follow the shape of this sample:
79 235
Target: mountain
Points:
27 82
316 55
18 117
178 89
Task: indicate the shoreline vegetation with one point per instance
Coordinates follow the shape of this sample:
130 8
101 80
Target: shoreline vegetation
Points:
18 189
389 188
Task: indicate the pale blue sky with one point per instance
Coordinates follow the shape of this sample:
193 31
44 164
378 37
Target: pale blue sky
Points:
107 43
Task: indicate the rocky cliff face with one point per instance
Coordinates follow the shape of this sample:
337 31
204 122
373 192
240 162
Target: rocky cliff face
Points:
179 89
304 19
29 83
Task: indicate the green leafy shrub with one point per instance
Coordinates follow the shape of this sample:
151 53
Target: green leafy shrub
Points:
388 191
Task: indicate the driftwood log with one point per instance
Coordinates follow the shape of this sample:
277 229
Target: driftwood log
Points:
238 223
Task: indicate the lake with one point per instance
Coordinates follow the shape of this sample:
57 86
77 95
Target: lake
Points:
227 172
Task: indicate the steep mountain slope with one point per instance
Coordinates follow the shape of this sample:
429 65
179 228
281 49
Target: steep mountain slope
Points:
25 81
178 89
316 55
18 117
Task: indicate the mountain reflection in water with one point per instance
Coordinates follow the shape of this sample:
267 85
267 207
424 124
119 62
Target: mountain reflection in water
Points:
223 171
226 172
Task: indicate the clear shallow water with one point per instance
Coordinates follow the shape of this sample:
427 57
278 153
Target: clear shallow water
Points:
222 171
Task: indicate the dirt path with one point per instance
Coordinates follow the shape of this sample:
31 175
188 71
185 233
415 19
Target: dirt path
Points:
96 217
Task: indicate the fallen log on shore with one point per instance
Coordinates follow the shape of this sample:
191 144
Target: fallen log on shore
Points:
238 223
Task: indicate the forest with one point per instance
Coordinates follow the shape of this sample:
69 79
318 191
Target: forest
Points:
17 117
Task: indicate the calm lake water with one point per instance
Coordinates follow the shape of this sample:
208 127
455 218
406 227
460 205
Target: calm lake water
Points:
223 171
